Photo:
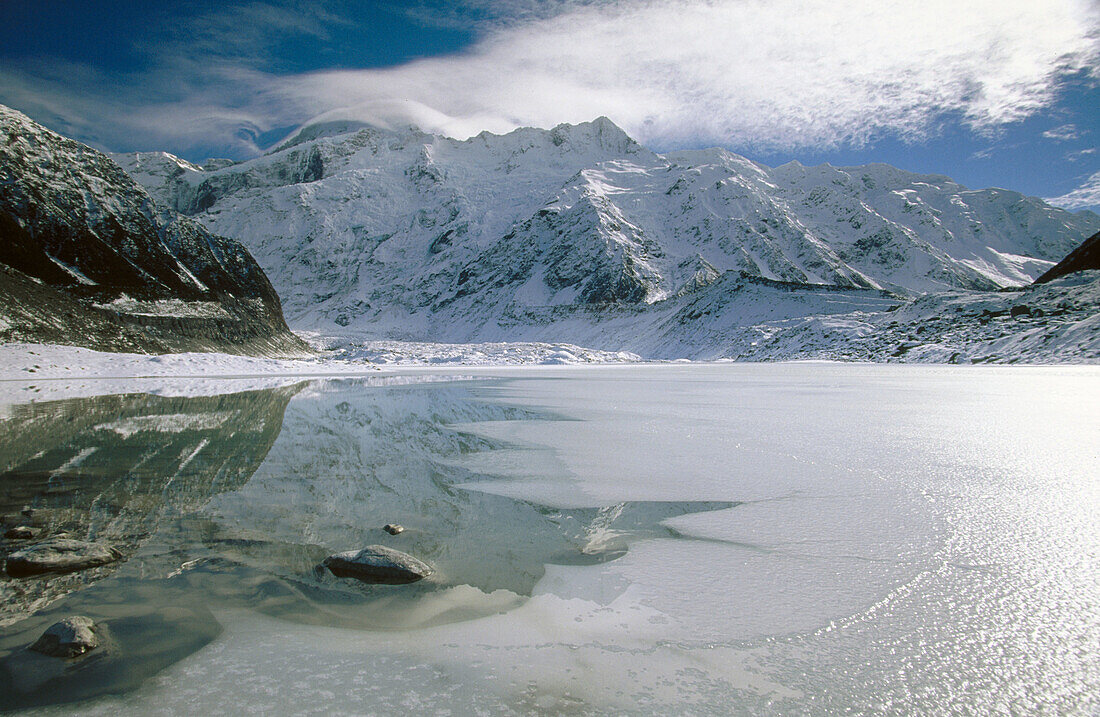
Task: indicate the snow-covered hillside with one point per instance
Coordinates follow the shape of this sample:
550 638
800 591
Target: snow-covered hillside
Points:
750 319
566 234
87 258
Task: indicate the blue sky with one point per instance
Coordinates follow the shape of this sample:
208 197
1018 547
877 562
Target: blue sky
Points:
1002 93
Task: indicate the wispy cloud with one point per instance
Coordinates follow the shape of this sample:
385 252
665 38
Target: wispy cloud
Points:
1087 196
767 74
1063 133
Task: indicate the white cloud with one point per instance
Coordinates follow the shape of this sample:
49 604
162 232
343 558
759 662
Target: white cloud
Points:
1063 133
751 74
1087 196
771 73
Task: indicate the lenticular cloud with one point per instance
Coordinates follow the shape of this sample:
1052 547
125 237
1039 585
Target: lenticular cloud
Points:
764 73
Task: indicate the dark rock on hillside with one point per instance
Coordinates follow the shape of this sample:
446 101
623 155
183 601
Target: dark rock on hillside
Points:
1083 258
87 258
20 532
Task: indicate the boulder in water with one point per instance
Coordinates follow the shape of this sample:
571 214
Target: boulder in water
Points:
59 555
72 637
378 564
20 532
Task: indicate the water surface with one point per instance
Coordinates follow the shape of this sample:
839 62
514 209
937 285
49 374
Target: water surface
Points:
806 538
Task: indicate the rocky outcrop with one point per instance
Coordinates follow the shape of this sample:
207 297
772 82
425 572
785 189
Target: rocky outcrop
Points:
1084 258
88 258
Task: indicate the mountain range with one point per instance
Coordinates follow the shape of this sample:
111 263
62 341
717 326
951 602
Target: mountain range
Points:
575 235
580 234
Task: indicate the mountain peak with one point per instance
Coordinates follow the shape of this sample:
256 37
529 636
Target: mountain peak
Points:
399 233
318 130
601 132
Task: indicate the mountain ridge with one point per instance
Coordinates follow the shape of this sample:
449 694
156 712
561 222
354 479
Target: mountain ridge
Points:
399 234
1086 257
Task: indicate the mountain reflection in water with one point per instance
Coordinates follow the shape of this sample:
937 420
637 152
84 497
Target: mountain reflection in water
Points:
114 468
231 501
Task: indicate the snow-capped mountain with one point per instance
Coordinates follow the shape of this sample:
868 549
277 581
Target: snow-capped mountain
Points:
88 258
556 234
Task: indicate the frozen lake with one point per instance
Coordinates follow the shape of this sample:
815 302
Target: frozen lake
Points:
707 539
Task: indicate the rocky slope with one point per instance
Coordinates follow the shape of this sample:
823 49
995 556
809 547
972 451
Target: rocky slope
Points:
1048 323
566 234
1084 258
87 258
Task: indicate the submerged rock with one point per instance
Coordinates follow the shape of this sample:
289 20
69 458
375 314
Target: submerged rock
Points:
20 532
378 564
59 555
130 649
393 528
72 637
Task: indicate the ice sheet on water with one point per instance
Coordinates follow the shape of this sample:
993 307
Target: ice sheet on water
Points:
894 539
